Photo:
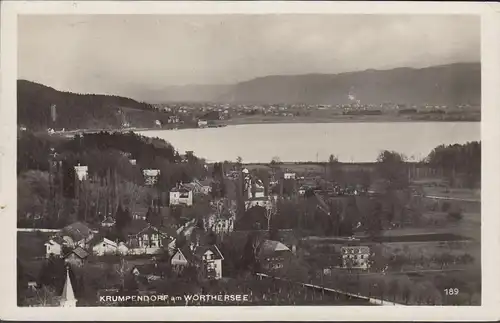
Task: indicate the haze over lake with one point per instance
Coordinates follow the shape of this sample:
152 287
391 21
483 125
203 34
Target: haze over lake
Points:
293 142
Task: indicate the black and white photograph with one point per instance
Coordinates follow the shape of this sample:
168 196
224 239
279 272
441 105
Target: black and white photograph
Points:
260 159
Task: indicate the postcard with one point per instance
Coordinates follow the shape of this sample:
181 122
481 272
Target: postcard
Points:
250 160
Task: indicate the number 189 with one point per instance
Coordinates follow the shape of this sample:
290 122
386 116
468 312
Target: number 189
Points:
451 291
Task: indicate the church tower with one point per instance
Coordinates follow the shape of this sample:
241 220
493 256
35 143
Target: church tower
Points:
68 296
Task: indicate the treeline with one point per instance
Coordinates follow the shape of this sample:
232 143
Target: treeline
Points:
458 161
73 111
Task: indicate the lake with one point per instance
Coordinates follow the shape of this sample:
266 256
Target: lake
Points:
291 142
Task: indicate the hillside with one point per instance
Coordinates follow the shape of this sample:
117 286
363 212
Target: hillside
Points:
447 84
73 110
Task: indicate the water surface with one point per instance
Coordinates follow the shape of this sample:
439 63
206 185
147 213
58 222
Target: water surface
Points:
350 142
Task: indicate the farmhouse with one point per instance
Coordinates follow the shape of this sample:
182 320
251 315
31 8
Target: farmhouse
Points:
76 234
102 246
181 196
207 258
54 246
273 255
76 257
144 238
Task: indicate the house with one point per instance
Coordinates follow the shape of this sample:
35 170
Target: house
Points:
254 188
54 246
202 123
289 175
76 234
211 258
183 257
221 221
151 176
81 172
102 246
355 257
108 222
76 257
181 196
273 255
206 258
199 187
144 238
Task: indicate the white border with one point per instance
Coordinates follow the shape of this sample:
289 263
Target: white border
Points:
490 26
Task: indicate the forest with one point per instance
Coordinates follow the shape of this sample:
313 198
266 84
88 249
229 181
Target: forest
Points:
73 111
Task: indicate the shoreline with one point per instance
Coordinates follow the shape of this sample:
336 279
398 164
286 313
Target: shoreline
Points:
248 121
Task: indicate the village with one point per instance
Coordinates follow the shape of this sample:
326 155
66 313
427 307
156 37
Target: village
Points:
242 225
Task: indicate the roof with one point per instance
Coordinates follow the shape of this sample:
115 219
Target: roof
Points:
182 189
201 250
137 226
151 172
79 252
68 294
187 253
55 240
100 238
109 220
77 231
271 246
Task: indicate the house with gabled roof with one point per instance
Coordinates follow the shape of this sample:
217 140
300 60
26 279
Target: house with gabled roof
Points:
144 238
54 246
108 222
77 234
273 255
181 196
76 257
207 258
101 246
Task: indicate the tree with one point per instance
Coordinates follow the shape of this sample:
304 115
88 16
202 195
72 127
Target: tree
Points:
374 220
239 160
392 169
333 159
275 160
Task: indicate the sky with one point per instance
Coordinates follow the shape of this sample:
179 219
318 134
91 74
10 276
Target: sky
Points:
115 53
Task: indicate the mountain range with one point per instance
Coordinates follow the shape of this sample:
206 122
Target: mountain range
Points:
451 84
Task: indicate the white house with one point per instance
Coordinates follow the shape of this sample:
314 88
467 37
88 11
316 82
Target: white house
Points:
151 176
355 257
81 172
181 196
255 189
211 258
202 123
104 246
208 257
52 247
289 175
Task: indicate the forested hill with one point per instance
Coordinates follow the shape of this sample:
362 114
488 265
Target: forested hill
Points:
74 111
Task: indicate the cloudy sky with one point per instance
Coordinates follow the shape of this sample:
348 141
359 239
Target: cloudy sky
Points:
112 54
